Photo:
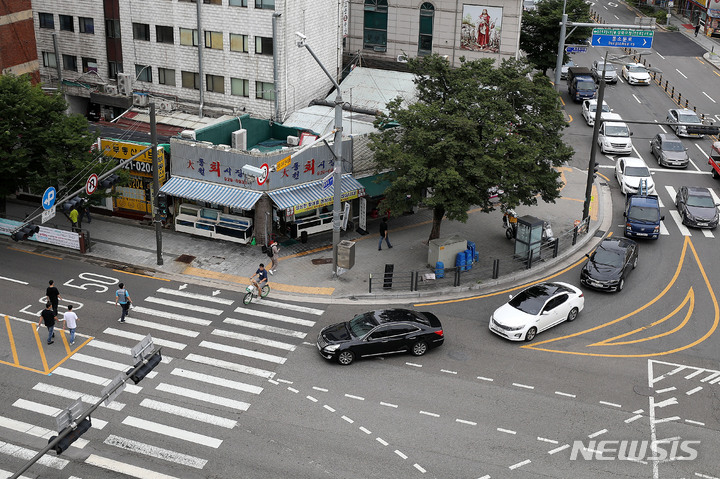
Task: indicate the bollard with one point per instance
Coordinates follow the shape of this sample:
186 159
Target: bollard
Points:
672 93
702 117
556 247
412 280
686 103
496 269
679 100
370 284
575 233
666 85
530 260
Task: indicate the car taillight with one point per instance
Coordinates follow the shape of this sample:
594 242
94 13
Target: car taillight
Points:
439 332
582 295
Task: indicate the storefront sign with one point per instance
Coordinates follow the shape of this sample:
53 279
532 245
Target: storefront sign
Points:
311 205
284 163
363 214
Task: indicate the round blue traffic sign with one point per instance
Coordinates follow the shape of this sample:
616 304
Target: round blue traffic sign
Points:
48 199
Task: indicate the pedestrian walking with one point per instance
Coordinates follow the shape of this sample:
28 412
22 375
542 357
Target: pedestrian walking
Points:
48 317
70 321
697 29
272 253
52 295
122 296
86 209
384 234
74 213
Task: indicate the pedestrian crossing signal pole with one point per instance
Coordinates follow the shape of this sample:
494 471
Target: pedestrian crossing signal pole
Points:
157 220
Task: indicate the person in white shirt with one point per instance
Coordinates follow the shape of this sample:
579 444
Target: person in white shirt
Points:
70 322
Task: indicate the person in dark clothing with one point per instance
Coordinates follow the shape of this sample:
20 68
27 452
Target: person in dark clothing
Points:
384 234
48 317
697 29
122 297
53 295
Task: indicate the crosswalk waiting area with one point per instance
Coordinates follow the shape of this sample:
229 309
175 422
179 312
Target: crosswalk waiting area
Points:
185 409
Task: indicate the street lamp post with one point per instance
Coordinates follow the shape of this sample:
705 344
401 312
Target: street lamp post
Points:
337 152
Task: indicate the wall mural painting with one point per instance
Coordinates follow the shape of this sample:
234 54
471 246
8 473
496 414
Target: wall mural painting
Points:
480 31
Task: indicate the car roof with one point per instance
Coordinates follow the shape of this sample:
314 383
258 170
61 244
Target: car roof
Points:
682 110
668 137
634 161
612 117
634 65
698 191
616 244
391 315
550 289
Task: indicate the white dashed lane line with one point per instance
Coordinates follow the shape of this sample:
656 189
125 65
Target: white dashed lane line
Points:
660 391
365 430
463 421
598 433
543 439
292 390
693 391
419 468
506 431
558 449
381 441
399 453
347 419
429 414
323 390
312 398
565 394
414 365
611 404
359 398
328 408
524 386
634 418
520 464
388 404
448 371
481 378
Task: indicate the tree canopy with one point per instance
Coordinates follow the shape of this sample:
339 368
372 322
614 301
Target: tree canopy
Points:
470 129
540 32
40 145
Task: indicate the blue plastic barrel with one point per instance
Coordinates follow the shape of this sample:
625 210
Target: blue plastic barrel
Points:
460 261
439 269
471 247
468 259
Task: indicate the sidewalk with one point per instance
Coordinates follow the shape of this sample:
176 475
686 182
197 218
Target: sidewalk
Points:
305 270
712 45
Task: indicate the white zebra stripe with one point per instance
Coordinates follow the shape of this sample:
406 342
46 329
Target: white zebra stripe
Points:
184 306
162 327
292 307
154 451
168 315
206 378
24 453
123 468
137 337
170 431
201 396
201 297
51 411
240 368
103 363
69 394
188 413
276 317
253 339
264 327
36 431
91 378
242 352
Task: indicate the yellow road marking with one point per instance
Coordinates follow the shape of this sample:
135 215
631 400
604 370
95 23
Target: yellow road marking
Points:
141 275
716 321
40 348
69 355
690 297
36 254
204 273
12 341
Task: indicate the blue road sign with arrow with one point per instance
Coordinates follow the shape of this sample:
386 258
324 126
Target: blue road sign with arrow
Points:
49 197
618 37
576 49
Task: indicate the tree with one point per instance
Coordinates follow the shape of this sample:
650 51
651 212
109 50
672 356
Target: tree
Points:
40 145
540 32
470 129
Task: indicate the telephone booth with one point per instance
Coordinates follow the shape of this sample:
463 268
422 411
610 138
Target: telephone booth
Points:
528 238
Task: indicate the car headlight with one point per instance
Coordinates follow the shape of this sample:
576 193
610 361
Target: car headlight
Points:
331 348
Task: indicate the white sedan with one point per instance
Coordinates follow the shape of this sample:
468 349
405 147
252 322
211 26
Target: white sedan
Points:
632 173
635 74
589 108
536 309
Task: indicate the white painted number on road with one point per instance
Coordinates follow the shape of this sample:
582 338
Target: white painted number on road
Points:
95 282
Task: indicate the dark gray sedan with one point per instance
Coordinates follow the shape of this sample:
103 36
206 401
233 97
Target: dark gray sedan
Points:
697 207
669 151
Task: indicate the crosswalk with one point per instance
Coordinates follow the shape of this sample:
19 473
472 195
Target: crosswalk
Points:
182 411
675 215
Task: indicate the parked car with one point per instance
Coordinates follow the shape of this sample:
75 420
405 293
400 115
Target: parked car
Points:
609 265
684 115
630 173
536 309
380 332
614 135
564 69
669 151
635 74
589 108
610 72
697 207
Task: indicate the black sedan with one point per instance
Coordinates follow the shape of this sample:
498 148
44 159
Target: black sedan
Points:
609 265
380 332
696 207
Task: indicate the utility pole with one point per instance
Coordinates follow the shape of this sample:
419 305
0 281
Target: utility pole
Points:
157 220
593 147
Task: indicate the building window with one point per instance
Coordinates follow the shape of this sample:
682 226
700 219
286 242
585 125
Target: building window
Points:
164 34
214 40
114 68
143 73
66 23
166 76
188 37
264 90
238 43
70 62
46 20
238 3
239 87
49 60
375 25
427 13
215 83
89 65
141 31
112 28
86 25
266 4
263 46
190 80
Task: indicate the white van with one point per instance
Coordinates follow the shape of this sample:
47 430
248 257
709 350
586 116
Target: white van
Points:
614 135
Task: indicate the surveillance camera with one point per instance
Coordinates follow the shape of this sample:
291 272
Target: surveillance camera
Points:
253 171
301 36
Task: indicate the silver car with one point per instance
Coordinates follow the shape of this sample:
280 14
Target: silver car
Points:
669 151
611 75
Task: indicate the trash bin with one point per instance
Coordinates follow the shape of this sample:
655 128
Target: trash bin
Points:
439 269
346 254
460 261
303 237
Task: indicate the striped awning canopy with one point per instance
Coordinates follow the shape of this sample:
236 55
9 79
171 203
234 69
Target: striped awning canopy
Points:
312 195
215 193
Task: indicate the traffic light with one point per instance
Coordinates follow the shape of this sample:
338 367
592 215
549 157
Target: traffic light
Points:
109 181
25 232
595 170
74 435
72 203
162 204
147 366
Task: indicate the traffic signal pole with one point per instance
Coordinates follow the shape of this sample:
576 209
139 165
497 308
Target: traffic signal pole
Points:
593 148
157 220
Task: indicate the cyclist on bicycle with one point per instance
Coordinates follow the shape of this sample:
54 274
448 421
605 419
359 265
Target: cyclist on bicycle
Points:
262 280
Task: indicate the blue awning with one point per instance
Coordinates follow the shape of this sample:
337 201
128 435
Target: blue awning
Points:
312 195
231 196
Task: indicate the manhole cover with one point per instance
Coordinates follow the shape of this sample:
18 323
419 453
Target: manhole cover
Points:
599 234
185 258
322 261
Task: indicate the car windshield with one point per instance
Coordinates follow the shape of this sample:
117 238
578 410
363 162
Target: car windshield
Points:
586 85
688 118
617 130
641 171
641 213
608 257
605 108
700 201
637 69
531 300
672 146
608 68
361 324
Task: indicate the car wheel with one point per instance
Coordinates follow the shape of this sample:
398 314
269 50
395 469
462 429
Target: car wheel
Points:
635 262
572 316
621 284
530 335
419 348
714 173
346 357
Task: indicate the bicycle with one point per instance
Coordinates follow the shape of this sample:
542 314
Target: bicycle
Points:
251 291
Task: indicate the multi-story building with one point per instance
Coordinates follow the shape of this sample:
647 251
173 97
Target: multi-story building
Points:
18 54
245 57
385 33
